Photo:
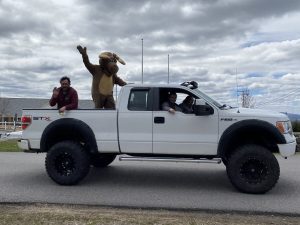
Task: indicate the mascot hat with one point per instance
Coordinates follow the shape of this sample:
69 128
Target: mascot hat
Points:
110 55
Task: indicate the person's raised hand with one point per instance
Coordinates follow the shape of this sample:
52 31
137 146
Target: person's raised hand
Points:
55 92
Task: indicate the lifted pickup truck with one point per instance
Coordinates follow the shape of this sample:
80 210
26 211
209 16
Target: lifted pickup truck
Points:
140 130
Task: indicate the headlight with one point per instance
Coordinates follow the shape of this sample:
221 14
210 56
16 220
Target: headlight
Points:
284 127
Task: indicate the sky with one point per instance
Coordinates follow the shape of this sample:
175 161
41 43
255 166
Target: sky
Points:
227 46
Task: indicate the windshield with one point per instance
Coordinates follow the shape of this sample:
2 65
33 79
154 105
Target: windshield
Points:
207 98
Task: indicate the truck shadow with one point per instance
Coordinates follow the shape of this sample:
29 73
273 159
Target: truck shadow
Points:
170 176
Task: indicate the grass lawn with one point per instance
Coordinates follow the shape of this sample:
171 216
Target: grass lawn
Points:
40 214
9 146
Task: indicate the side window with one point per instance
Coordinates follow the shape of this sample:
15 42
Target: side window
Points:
180 97
164 96
184 102
138 100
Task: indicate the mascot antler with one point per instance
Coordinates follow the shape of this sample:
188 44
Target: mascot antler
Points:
109 55
119 59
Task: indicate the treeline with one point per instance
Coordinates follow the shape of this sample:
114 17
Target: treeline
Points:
296 126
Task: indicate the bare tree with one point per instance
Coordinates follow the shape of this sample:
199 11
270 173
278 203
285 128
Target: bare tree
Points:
247 99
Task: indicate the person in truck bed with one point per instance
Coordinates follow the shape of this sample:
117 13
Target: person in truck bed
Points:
65 97
104 77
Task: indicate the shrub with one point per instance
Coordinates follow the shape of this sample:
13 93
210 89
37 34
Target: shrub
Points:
296 126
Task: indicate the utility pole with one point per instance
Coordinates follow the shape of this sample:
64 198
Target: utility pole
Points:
116 93
237 89
142 60
247 99
168 69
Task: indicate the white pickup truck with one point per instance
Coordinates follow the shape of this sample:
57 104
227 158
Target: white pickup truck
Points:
140 130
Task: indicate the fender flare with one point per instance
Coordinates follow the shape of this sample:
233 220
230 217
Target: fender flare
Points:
248 126
68 124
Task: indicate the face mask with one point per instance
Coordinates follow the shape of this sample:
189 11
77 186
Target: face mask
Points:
112 67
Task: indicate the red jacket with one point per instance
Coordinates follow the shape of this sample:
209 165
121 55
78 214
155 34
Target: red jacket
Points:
68 99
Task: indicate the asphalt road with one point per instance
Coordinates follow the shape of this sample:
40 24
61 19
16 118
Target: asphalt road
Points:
147 185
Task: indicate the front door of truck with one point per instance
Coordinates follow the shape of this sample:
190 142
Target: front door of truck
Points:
185 134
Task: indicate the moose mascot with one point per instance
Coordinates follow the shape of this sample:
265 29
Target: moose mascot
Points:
104 77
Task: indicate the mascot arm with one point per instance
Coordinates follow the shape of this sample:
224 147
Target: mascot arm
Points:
88 65
83 51
119 81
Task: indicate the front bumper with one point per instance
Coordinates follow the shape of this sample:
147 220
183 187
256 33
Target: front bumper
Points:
288 149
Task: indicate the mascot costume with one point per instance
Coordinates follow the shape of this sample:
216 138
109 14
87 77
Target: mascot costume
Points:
104 77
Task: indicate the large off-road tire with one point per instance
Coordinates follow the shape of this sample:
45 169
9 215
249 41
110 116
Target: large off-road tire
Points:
225 161
102 160
253 169
67 163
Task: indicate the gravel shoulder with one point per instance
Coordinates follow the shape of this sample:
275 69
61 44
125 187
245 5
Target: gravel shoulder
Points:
37 214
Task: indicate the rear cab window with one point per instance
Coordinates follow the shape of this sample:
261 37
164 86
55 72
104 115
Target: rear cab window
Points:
139 100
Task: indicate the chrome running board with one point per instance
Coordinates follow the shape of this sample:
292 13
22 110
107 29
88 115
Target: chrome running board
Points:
166 159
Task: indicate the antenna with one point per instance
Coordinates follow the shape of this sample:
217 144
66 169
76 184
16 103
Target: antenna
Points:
237 88
142 60
168 69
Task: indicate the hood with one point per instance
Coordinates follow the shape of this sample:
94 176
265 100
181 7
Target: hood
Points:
255 113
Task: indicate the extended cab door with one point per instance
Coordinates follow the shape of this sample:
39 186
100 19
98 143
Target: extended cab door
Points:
185 134
135 121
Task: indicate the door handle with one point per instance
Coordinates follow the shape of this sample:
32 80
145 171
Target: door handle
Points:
159 119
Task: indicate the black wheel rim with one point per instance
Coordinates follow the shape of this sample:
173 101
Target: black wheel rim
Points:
64 164
254 171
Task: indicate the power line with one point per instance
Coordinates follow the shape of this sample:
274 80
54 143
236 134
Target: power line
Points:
279 98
